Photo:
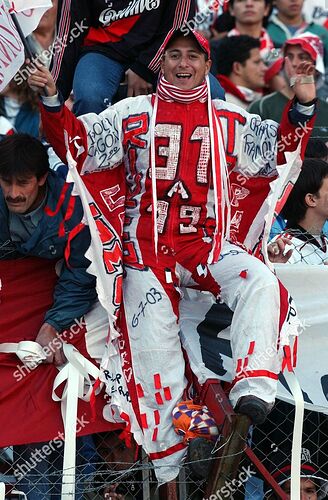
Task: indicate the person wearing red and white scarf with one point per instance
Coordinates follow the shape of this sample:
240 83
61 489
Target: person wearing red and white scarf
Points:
249 16
174 149
241 69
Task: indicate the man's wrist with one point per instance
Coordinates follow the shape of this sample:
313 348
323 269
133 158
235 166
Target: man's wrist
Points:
308 103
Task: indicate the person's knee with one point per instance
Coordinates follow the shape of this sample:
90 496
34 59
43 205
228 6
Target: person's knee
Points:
90 103
264 281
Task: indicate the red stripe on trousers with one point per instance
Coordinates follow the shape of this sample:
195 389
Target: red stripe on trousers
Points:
168 452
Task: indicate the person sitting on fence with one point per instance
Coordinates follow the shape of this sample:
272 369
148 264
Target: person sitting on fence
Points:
184 181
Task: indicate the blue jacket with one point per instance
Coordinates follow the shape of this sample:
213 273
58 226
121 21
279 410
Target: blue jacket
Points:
75 290
27 121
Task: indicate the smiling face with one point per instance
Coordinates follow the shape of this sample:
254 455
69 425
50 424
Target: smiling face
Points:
23 195
184 63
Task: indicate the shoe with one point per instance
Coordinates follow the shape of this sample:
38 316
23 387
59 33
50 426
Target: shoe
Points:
200 457
255 408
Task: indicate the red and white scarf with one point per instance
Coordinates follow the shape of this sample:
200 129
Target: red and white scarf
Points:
170 93
266 44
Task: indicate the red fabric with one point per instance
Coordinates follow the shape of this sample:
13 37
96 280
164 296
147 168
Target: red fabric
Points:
26 293
112 33
168 452
230 87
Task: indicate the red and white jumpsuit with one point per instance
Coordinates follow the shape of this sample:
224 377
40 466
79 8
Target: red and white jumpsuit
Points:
185 220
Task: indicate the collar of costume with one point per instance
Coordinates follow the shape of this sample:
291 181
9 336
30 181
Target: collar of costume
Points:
170 93
220 179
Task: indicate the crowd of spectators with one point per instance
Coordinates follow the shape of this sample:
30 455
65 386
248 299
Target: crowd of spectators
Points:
250 42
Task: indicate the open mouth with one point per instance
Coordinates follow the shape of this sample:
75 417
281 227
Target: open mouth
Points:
183 76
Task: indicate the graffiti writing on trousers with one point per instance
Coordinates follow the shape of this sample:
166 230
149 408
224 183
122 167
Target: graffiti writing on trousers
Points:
117 386
152 297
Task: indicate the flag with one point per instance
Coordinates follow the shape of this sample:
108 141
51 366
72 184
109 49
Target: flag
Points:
11 48
28 12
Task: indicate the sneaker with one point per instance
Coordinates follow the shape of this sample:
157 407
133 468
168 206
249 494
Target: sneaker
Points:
255 408
200 457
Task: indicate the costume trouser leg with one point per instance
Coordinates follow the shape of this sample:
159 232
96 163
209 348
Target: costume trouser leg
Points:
151 307
252 291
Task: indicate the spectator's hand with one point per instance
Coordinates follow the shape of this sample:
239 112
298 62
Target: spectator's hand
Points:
41 81
110 494
137 85
47 337
276 251
304 89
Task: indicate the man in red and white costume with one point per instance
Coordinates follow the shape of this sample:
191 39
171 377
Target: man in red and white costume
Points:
176 148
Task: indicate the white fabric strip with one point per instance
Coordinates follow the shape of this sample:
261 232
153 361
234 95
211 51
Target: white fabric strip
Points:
2 491
297 434
30 353
153 172
77 373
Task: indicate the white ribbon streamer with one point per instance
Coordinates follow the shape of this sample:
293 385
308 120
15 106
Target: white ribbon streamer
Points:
30 353
76 374
296 391
2 491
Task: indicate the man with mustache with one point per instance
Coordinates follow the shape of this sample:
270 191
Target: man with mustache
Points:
29 192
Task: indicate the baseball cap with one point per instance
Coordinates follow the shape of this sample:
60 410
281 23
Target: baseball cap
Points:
311 44
200 39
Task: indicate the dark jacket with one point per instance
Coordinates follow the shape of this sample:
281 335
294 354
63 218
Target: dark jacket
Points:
27 121
128 31
75 290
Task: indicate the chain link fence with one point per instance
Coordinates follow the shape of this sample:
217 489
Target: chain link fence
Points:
105 466
306 248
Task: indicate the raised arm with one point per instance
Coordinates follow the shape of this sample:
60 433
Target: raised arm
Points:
94 141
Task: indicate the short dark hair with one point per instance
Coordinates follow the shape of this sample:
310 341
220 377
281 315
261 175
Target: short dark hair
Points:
316 148
22 155
310 180
234 49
